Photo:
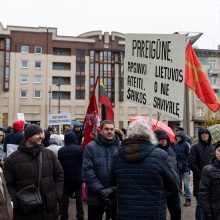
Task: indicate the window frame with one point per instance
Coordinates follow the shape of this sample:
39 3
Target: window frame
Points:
37 97
22 66
38 61
24 97
23 75
25 51
35 79
36 47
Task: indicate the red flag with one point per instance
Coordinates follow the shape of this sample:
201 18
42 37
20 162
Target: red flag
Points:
197 80
103 98
91 121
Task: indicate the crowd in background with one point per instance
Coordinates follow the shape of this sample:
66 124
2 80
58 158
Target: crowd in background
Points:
132 173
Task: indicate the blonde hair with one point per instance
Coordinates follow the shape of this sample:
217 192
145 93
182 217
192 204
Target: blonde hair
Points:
141 129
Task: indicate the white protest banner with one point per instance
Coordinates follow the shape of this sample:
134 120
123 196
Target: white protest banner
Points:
59 119
20 116
154 72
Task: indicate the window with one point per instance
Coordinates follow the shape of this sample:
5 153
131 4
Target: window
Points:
8 44
37 94
24 79
61 66
37 64
212 64
24 49
23 94
37 79
201 112
92 55
80 55
38 50
24 64
212 80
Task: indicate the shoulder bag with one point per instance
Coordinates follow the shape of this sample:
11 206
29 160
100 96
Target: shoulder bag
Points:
29 199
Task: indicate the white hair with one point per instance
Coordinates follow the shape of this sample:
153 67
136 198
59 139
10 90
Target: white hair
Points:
138 129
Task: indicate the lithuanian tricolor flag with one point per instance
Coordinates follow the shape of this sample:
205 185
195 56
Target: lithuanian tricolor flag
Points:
104 101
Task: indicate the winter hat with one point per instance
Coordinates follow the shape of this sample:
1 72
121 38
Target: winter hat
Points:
18 125
69 138
31 130
161 134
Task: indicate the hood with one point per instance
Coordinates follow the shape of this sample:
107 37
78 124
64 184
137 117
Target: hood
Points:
119 133
55 139
204 130
182 134
132 150
69 138
18 126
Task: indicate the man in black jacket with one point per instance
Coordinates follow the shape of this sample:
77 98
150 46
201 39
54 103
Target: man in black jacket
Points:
200 155
96 169
21 170
172 200
71 157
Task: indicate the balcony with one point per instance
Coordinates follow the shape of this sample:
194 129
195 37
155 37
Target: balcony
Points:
213 71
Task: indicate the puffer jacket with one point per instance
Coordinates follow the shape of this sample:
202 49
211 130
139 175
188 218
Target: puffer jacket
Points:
96 166
21 170
142 174
181 148
200 155
210 189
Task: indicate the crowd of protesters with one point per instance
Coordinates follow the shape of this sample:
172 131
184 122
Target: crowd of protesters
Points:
135 173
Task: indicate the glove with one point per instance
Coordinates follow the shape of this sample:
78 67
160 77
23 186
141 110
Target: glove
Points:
208 216
105 193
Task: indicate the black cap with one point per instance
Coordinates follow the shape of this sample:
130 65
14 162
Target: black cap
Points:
31 130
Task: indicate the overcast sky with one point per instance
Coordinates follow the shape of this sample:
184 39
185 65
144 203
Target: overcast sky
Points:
74 17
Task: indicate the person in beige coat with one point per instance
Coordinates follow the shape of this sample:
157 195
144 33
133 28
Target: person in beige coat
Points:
5 202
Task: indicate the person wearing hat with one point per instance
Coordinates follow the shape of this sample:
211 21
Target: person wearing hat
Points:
173 201
77 130
21 170
200 155
209 188
14 138
181 148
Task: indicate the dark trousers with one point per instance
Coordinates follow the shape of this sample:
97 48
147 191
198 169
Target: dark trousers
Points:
96 212
174 207
64 204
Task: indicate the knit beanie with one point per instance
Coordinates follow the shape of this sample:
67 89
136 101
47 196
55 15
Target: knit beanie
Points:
31 130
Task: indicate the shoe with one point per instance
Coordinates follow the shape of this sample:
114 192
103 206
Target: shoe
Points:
187 202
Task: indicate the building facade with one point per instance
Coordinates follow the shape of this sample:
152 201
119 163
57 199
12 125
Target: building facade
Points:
43 73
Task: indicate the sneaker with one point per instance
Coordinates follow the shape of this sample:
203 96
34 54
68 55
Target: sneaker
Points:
187 202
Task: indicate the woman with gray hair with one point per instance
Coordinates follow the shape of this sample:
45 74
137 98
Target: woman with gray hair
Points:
142 174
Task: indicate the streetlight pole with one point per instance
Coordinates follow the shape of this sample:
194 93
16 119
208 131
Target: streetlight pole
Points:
50 99
59 84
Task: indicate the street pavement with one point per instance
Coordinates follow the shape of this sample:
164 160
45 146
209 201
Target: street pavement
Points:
188 213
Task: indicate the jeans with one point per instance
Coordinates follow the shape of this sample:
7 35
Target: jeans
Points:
199 215
174 207
186 181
